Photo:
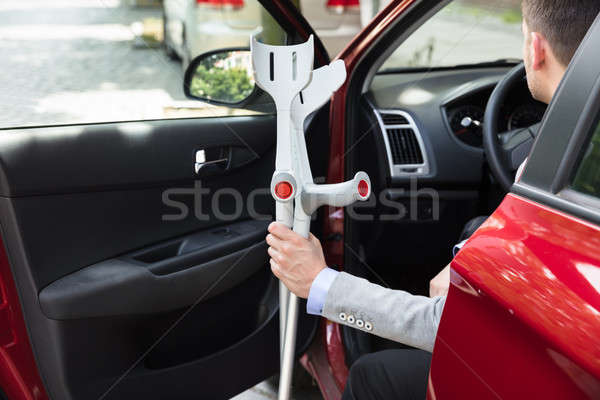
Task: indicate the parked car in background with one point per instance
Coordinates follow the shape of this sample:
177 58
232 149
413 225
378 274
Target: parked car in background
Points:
193 27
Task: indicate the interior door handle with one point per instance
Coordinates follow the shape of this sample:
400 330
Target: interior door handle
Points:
219 160
209 167
205 167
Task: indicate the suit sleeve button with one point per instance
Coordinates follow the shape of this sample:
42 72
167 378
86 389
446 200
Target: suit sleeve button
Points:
342 316
350 319
368 326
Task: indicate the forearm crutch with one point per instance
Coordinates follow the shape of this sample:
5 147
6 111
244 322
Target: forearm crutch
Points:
292 180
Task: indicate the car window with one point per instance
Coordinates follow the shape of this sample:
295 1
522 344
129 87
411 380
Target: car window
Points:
90 61
336 22
587 176
463 33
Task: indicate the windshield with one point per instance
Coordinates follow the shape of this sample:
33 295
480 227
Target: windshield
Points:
463 32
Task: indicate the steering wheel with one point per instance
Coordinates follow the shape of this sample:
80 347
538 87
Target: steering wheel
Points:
506 151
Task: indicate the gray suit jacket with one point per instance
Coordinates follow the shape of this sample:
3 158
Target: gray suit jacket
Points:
391 314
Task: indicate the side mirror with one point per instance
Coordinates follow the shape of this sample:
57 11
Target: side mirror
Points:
221 77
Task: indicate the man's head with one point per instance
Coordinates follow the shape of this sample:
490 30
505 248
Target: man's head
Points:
553 30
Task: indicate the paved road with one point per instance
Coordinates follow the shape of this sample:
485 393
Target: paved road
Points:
78 61
265 391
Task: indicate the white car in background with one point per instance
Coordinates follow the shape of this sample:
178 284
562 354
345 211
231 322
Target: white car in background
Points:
193 27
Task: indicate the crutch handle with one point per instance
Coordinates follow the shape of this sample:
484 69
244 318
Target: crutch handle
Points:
342 194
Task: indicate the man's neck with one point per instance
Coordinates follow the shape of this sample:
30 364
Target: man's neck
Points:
555 75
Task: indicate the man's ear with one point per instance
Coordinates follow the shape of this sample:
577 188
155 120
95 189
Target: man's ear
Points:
538 51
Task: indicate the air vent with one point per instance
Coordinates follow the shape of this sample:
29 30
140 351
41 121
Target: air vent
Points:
405 147
403 143
394 119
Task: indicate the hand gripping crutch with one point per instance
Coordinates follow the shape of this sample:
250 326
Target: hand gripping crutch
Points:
298 183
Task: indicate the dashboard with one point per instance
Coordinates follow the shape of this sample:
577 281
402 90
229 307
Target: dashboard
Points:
465 115
431 122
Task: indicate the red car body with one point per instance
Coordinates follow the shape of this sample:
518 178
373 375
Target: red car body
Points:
527 283
18 373
525 288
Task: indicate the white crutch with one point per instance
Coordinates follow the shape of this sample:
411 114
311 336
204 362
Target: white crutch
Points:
282 71
299 182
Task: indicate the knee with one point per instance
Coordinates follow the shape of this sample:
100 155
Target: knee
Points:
359 378
363 364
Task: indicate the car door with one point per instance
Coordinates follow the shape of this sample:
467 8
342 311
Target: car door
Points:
522 318
124 273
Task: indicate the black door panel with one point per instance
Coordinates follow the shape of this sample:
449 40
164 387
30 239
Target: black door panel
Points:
96 226
224 345
164 277
68 159
111 237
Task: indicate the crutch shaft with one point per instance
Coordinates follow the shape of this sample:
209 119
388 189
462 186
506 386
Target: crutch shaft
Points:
284 213
301 227
289 349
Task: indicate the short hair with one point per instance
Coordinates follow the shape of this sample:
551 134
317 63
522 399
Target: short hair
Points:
564 23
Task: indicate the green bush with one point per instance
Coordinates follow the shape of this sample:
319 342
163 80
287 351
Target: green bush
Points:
228 85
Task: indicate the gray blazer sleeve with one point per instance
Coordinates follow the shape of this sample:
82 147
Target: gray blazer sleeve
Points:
391 314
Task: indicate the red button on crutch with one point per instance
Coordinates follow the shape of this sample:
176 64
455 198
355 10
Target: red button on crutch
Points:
363 188
284 190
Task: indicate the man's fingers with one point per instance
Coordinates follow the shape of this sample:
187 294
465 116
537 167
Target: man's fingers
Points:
275 268
278 257
275 255
274 242
281 231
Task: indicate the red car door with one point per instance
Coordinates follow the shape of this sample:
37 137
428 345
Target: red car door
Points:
522 318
